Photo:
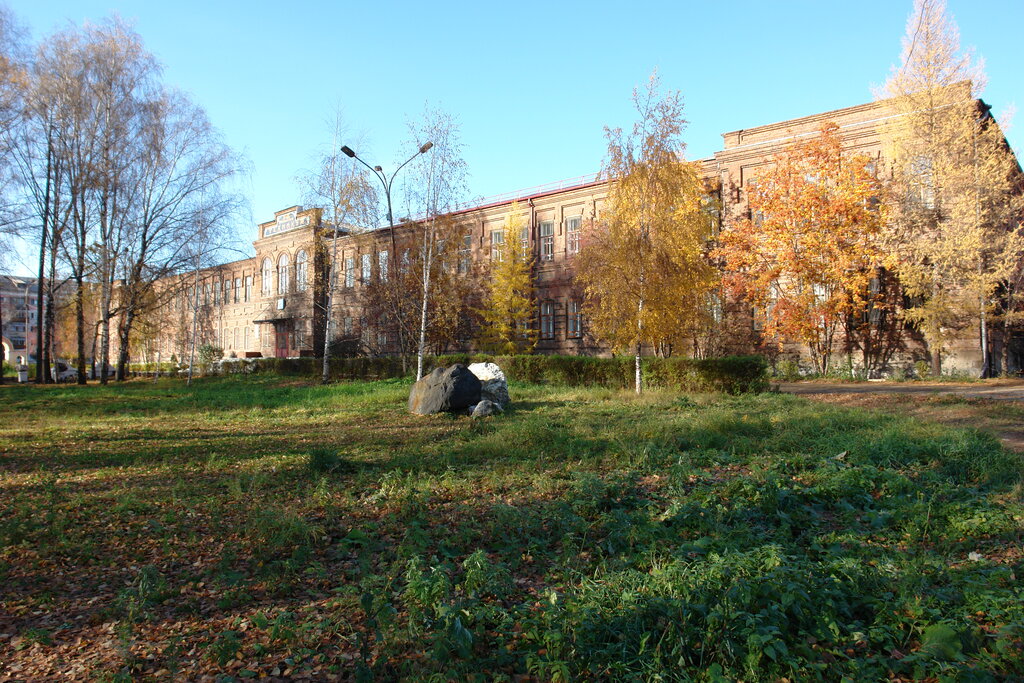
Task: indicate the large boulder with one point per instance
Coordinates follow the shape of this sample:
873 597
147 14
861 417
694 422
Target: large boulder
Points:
494 385
445 390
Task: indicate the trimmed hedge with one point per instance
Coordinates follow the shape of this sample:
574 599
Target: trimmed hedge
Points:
732 374
341 368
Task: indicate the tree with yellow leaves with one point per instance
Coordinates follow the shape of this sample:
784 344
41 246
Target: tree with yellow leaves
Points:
508 299
956 183
643 268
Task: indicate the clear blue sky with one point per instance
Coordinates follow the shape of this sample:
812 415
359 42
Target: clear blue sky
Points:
532 83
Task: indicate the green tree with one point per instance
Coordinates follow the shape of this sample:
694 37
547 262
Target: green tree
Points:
643 267
508 299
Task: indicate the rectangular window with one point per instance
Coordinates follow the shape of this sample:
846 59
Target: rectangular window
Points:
573 320
382 265
524 240
405 261
216 293
238 288
572 234
350 272
547 320
367 266
547 241
248 288
465 254
497 244
922 183
346 326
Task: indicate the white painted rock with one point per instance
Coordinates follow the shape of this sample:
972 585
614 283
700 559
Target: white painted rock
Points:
494 386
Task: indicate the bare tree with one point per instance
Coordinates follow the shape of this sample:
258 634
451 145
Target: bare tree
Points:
347 200
177 197
436 184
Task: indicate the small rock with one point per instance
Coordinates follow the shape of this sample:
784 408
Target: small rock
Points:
485 408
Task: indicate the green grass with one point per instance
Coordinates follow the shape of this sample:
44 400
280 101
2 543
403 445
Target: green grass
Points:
249 526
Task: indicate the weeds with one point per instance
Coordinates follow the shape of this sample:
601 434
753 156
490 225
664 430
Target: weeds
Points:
591 536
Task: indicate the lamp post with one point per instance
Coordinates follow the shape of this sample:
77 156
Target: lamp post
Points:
387 182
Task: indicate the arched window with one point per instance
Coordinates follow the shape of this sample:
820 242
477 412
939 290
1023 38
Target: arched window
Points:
268 273
282 274
300 271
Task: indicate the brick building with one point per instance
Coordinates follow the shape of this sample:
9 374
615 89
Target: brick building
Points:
272 304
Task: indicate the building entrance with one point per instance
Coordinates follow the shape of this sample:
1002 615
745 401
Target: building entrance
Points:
282 338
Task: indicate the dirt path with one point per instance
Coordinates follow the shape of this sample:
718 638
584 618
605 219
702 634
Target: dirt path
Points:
996 405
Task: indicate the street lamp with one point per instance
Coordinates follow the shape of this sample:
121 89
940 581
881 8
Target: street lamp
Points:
387 183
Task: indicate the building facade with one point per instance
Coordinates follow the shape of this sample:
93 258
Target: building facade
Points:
273 305
18 325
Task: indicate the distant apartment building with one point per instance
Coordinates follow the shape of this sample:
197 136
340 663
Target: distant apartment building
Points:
18 297
273 305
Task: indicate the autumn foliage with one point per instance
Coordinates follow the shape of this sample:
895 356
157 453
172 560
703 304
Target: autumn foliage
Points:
643 266
808 250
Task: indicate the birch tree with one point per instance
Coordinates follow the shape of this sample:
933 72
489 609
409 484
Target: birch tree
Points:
643 267
348 200
437 182
957 184
181 172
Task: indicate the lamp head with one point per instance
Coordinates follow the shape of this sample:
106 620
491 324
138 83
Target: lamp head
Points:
425 147
347 151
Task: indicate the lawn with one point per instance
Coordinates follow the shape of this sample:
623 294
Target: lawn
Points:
261 528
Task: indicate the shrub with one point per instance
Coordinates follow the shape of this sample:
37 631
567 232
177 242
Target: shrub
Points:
732 374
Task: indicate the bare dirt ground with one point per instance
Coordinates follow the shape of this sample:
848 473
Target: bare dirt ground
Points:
993 405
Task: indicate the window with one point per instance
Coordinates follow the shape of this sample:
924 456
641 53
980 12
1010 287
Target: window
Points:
382 265
405 261
465 254
922 183
238 288
216 293
547 241
497 244
547 320
524 240
346 326
248 288
246 338
573 320
382 340
300 270
282 274
227 292
366 268
350 272
206 295
572 234
268 269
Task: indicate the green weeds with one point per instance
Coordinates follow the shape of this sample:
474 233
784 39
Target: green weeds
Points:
591 535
